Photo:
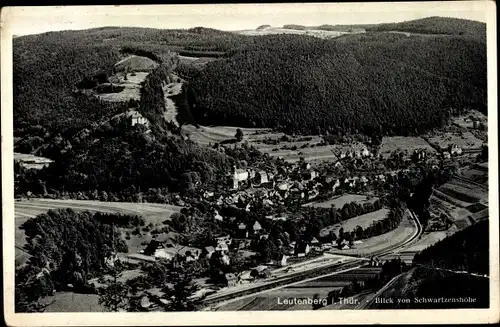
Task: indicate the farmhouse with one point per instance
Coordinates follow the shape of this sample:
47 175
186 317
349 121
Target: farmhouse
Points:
261 177
242 230
135 118
256 227
455 149
282 260
217 216
239 175
223 239
168 251
208 251
302 249
230 279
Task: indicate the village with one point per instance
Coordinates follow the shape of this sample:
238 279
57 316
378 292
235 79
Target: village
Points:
275 190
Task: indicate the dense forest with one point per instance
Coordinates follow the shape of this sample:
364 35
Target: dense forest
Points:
119 160
65 247
370 83
465 252
437 25
49 66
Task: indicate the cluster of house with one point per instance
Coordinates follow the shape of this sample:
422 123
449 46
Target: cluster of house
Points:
288 189
355 150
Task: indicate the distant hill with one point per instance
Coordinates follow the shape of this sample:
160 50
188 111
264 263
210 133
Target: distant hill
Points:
327 27
437 25
263 27
295 27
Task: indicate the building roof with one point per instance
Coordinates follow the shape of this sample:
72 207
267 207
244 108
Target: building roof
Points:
301 247
260 268
209 249
257 226
230 276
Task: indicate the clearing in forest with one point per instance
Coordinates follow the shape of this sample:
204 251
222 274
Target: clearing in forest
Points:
350 224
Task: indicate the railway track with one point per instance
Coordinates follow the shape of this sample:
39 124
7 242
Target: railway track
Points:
313 273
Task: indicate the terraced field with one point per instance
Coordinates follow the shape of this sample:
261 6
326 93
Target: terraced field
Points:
467 141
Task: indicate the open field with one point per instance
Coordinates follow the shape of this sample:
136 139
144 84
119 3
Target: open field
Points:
465 121
152 212
30 161
279 30
132 88
409 143
466 140
135 63
196 60
206 134
475 174
290 151
340 200
350 224
442 203
73 302
464 193
382 242
170 90
407 252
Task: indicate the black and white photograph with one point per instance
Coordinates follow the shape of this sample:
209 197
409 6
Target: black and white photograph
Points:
269 160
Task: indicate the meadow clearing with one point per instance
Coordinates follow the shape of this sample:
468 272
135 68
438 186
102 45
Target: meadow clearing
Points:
73 302
392 143
132 88
465 140
380 243
350 224
153 213
341 200
266 141
464 121
280 30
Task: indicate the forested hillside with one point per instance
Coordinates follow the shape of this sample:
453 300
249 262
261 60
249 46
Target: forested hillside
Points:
356 83
124 162
49 66
65 247
453 268
467 250
437 25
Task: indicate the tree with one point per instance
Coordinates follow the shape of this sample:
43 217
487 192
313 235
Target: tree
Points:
114 296
179 288
239 135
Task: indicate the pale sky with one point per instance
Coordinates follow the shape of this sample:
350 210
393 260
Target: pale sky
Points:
34 20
